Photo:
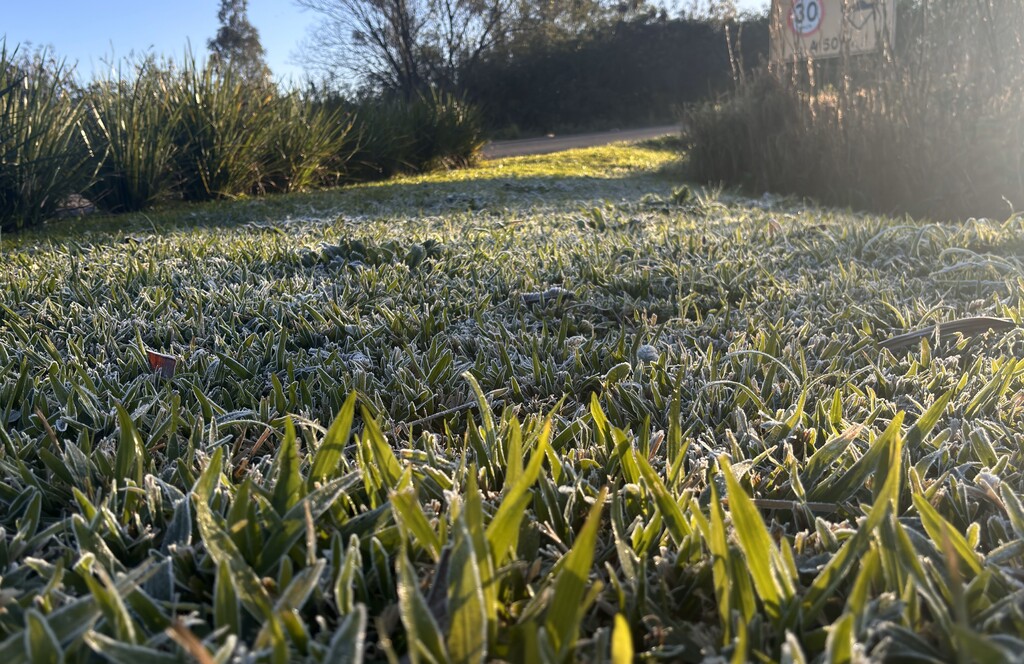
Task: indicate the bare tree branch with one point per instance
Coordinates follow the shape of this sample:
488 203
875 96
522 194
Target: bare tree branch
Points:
405 45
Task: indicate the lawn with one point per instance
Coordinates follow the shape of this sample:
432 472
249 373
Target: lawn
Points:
549 409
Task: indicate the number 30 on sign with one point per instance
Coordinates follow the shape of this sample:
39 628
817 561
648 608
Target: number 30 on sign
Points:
805 17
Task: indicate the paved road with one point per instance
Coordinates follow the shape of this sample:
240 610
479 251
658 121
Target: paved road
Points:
547 144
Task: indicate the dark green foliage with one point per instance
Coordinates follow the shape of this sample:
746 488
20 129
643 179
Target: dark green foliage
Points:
44 158
620 75
224 124
446 132
435 130
309 145
931 127
536 66
131 123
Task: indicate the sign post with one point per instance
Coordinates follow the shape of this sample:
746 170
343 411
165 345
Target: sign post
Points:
816 29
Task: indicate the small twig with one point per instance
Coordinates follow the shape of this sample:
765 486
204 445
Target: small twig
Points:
184 637
444 413
965 326
769 504
48 429
255 448
775 504
656 442
553 294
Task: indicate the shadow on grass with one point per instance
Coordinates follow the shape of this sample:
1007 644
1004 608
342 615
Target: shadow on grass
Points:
483 190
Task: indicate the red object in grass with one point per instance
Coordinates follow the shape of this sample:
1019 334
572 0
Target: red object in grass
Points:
162 365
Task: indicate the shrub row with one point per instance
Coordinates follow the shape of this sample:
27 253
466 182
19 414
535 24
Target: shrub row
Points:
161 131
933 126
625 74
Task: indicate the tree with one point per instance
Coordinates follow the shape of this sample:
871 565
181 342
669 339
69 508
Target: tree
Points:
375 39
404 46
237 43
458 35
407 45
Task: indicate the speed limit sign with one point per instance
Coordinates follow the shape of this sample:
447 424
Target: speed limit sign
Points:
806 16
802 29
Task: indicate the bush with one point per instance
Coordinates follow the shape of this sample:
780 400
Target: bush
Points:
307 146
224 125
44 158
446 131
433 131
383 139
625 74
133 126
932 127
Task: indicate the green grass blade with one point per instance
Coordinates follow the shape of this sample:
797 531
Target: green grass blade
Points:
760 552
828 454
988 396
678 527
941 531
119 652
474 515
294 523
715 536
108 598
222 549
131 454
839 645
41 644
622 641
567 604
853 480
297 593
503 530
328 457
927 421
289 486
345 584
792 652
1014 509
349 639
845 560
380 452
467 631
485 409
426 643
406 508
226 609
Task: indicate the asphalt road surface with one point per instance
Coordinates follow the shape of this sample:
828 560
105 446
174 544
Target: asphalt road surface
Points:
547 144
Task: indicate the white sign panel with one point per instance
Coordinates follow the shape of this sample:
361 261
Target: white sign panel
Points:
817 29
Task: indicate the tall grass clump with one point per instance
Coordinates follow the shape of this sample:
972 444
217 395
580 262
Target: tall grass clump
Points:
309 145
132 123
383 139
433 131
224 124
447 132
43 155
932 125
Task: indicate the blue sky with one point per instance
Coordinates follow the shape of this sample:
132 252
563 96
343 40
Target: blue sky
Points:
89 31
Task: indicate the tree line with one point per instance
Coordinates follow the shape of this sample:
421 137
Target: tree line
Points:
531 65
